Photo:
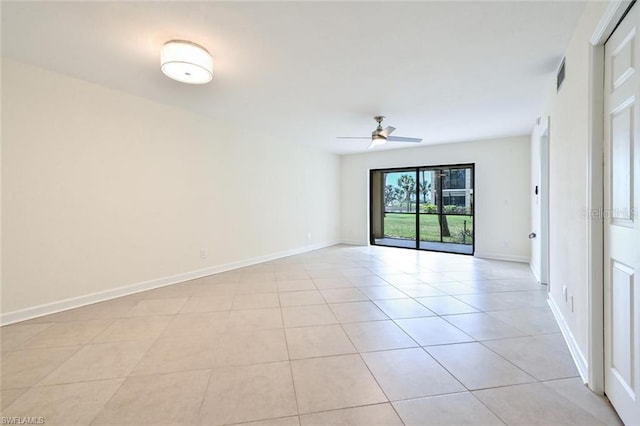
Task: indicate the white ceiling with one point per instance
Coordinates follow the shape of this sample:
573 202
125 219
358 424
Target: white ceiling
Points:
310 71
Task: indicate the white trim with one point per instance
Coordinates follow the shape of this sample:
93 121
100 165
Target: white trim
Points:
354 242
595 190
574 349
609 21
545 190
594 227
535 273
101 296
480 255
499 256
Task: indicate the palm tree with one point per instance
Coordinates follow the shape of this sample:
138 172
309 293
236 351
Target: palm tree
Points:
408 185
442 218
391 195
424 189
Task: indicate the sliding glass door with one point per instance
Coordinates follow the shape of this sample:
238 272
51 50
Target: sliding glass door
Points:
428 208
399 208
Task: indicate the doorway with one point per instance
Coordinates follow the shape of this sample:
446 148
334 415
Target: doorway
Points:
423 208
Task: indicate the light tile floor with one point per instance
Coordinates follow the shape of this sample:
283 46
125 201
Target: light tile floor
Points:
343 335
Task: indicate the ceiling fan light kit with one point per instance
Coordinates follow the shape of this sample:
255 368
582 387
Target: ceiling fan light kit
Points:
381 136
377 140
186 62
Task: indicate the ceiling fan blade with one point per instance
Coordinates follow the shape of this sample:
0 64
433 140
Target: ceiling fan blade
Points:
386 132
403 139
353 137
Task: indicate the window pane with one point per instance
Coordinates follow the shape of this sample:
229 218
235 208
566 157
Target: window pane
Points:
429 227
400 192
400 226
460 229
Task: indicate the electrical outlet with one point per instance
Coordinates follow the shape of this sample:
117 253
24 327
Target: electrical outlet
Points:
308 235
203 254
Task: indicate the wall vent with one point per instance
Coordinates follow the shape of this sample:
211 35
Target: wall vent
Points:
560 75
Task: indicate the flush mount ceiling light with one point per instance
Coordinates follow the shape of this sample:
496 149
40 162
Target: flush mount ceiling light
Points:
186 62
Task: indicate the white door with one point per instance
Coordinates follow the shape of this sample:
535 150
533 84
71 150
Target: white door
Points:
621 228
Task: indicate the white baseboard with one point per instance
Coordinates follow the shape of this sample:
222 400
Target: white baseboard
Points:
535 273
577 355
500 256
481 255
354 242
89 299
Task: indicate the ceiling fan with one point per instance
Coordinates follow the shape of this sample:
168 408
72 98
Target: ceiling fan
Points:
381 136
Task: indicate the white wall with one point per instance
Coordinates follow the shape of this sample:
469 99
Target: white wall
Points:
502 178
568 180
101 189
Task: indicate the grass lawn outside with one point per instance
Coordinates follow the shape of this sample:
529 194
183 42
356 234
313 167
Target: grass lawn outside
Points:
404 226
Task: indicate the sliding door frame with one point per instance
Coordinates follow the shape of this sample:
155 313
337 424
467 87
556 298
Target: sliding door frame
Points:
416 170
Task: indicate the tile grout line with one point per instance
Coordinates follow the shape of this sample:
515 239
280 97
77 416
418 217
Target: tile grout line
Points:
372 375
286 342
131 371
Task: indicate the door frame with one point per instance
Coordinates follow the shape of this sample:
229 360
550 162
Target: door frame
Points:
417 169
544 202
612 15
